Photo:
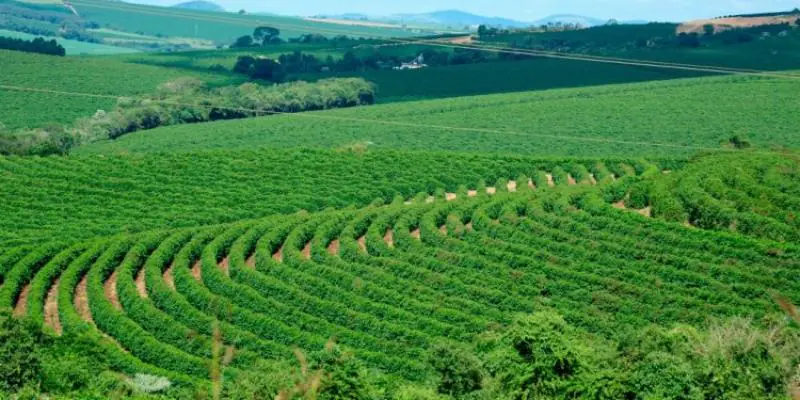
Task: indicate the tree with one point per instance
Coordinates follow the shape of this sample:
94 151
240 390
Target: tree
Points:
266 34
460 372
243 41
242 12
688 40
20 363
709 29
244 65
268 70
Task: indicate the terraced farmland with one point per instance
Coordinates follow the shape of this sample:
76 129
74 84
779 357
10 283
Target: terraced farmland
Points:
390 280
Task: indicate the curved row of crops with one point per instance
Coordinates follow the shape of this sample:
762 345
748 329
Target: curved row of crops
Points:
388 281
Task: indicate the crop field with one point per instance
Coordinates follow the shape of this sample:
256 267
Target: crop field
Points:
216 26
676 117
388 280
96 75
73 47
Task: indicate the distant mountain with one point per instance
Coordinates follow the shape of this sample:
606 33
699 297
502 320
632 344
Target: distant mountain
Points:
456 18
201 5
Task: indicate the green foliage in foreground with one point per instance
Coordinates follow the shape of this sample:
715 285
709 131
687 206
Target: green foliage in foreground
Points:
618 120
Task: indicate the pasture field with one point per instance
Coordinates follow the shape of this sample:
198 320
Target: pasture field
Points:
677 117
74 47
216 26
390 280
95 75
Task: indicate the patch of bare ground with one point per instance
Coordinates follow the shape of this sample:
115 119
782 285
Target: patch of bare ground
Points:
333 247
613 177
550 181
251 261
362 243
110 290
415 233
197 271
666 172
592 179
307 251
22 301
491 190
350 22
278 255
531 184
469 226
571 181
619 205
725 24
388 237
450 196
225 266
512 186
443 229
141 284
168 278
51 317
472 193
646 212
82 300
430 200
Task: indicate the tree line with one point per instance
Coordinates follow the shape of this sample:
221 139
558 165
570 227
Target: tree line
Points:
185 101
38 45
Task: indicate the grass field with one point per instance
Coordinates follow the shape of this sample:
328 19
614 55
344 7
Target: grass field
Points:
597 122
97 75
74 47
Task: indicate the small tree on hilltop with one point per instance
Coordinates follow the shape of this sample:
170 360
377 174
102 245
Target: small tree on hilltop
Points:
709 29
266 34
243 41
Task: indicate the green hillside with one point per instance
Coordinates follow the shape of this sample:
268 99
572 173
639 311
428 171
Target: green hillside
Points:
395 284
680 117
95 75
74 47
216 26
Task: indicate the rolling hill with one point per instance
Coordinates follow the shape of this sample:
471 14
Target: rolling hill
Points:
200 5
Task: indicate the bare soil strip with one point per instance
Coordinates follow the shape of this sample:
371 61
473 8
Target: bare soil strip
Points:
307 251
168 279
141 285
450 196
415 233
110 290
51 317
469 226
491 190
362 243
443 229
646 212
472 193
592 179
197 271
225 266
571 181
278 256
251 261
531 184
333 247
430 200
550 181
22 301
613 177
512 186
619 205
82 300
389 237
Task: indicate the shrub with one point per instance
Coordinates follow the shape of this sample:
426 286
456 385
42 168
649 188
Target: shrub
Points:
460 372
20 363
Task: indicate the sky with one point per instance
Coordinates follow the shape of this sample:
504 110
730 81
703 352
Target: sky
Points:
523 10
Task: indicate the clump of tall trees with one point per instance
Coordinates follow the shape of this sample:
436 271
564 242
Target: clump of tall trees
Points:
37 45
